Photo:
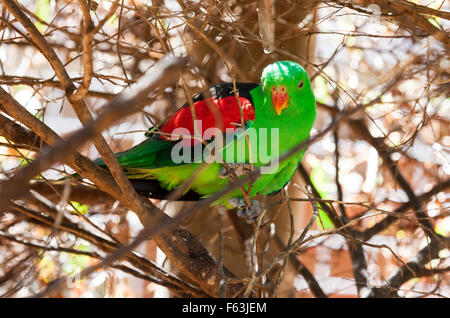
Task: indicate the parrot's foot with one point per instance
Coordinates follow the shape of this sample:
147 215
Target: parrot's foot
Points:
239 169
249 214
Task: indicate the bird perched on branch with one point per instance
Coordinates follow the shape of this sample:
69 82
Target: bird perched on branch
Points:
227 132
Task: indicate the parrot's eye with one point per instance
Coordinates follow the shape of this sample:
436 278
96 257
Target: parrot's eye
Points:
283 89
300 85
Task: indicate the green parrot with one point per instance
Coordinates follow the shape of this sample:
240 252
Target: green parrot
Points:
237 128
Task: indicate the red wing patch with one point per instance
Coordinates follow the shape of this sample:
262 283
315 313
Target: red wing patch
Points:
211 112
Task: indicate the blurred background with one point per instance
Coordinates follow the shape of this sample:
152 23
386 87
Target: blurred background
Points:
383 171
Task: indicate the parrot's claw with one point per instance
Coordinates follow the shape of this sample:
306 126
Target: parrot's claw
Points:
239 169
237 203
249 214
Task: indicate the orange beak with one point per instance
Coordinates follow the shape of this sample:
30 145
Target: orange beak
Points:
280 98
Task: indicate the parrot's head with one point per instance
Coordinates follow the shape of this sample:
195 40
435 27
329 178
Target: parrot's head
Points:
287 85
